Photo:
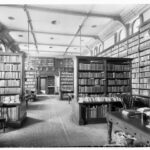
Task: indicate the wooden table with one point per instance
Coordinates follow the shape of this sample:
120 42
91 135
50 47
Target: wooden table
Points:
131 125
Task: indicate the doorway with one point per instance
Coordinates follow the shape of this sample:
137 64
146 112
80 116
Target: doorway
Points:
43 85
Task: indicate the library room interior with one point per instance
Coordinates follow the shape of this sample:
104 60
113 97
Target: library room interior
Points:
74 75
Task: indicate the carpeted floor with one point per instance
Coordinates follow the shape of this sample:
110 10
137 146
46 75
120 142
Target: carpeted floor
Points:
49 124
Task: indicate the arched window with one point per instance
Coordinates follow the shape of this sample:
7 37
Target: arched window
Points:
136 25
122 34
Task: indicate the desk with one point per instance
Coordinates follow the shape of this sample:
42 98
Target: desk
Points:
130 125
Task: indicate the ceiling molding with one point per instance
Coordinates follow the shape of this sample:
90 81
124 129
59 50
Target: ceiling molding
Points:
63 45
62 34
63 11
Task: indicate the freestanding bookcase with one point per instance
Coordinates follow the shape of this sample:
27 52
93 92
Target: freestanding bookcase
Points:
12 88
94 78
66 83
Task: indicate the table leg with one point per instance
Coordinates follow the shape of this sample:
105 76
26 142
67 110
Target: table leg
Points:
109 126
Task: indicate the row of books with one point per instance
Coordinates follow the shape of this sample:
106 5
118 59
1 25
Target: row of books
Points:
135 43
91 89
90 95
91 75
114 67
91 82
133 39
12 75
145 45
145 58
29 82
144 74
10 99
144 53
95 99
6 83
136 80
67 88
119 82
119 75
66 74
144 36
133 50
96 111
91 66
144 86
30 76
135 91
145 63
146 68
145 80
134 85
10 58
10 90
145 27
10 67
135 70
118 89
66 83
145 92
69 79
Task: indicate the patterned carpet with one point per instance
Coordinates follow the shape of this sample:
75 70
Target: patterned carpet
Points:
49 124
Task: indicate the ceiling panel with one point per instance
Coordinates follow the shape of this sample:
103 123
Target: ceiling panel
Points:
51 48
13 17
83 41
25 47
109 9
75 7
55 22
21 36
53 39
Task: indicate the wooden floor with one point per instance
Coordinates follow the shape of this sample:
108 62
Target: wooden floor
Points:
49 124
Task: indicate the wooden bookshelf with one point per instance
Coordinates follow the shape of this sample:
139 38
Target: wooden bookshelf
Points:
96 77
12 87
31 80
66 83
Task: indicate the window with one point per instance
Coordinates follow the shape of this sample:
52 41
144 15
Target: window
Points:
122 34
136 25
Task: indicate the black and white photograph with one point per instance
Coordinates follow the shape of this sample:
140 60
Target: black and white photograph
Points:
74 75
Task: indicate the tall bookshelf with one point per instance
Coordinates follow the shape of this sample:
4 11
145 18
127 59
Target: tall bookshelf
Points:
144 67
12 87
66 83
96 79
50 85
30 82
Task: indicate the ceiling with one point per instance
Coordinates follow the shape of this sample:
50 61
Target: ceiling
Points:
64 30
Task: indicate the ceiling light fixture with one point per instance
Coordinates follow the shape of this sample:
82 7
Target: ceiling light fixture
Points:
51 38
50 47
94 26
20 35
54 22
11 18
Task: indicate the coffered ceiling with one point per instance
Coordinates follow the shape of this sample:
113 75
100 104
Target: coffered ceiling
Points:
64 30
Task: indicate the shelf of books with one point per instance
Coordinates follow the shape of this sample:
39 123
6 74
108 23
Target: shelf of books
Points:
30 82
96 78
66 83
50 85
12 88
145 60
